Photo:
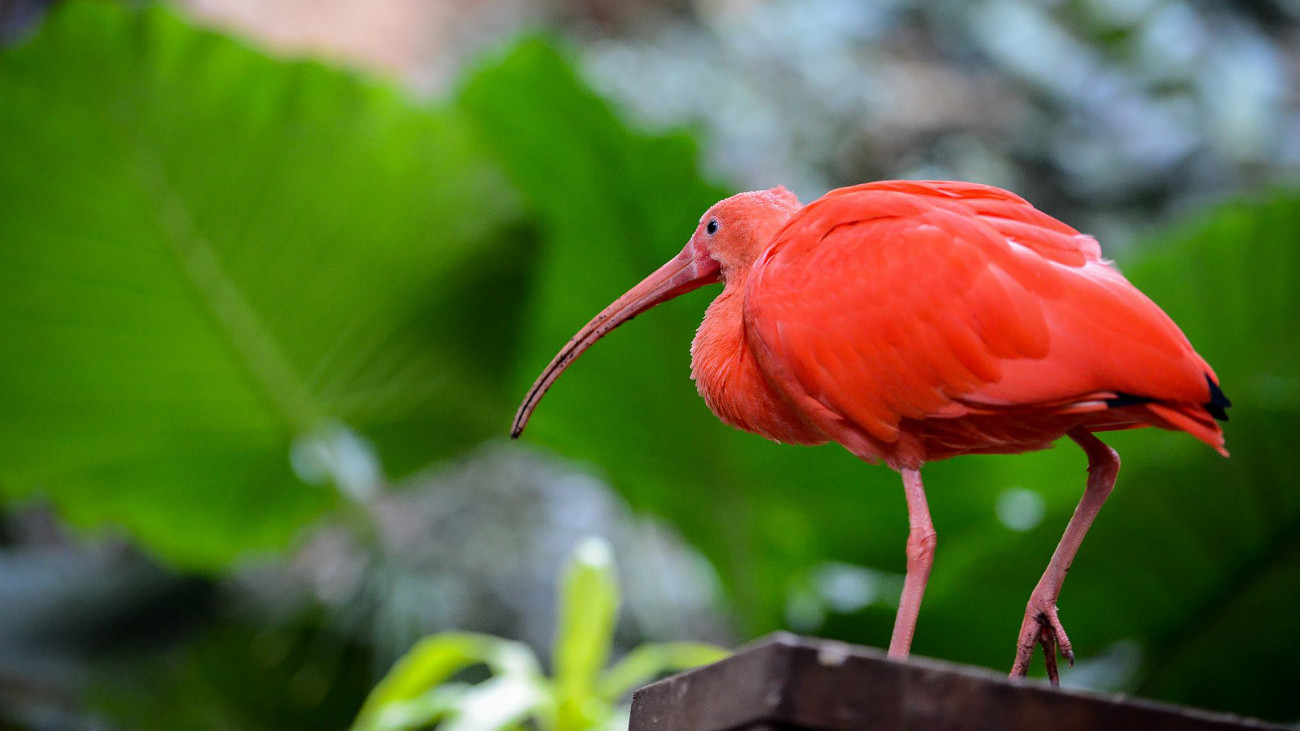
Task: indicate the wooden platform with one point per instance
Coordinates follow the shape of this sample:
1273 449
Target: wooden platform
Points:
789 682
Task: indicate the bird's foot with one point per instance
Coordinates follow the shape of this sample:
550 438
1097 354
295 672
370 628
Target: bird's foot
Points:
1042 627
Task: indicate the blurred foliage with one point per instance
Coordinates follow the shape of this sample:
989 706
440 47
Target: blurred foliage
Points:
210 257
208 254
238 675
419 691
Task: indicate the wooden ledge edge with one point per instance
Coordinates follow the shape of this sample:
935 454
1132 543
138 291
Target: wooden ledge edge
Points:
784 681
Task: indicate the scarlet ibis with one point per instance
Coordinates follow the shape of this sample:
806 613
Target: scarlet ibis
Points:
913 321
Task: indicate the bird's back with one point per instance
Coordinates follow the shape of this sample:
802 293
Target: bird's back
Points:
915 321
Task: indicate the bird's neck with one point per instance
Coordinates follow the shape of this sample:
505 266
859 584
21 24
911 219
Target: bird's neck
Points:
730 379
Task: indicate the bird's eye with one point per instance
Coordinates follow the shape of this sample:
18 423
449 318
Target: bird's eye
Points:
712 227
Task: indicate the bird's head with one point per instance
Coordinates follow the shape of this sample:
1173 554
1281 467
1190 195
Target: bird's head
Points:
734 231
728 240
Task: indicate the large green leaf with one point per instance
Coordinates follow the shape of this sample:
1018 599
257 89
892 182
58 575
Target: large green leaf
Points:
206 253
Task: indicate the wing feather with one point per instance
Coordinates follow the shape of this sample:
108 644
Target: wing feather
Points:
911 300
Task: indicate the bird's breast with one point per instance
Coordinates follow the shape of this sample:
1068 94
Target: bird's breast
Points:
732 383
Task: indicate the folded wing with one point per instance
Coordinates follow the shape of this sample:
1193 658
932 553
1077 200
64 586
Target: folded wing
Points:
907 300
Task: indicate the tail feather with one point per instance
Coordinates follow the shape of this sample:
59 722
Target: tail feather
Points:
1194 420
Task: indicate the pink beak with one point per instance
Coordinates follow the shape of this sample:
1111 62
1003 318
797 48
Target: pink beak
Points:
687 271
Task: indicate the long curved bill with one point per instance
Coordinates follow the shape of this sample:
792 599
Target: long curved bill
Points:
687 271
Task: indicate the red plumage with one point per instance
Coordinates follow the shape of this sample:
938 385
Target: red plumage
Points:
913 321
960 315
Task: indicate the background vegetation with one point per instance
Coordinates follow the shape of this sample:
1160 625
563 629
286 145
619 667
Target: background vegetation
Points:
259 317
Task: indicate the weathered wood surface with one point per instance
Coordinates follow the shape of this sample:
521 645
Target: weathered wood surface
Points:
788 682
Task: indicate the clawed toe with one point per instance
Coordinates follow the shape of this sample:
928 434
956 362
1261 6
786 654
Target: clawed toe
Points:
1043 627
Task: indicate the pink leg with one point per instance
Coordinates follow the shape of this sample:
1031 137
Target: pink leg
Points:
920 556
1041 624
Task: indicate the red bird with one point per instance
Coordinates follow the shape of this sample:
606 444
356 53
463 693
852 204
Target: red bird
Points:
912 321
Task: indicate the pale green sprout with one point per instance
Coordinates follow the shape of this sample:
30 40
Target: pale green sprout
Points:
420 692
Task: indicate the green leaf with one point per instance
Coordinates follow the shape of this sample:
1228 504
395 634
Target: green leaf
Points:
588 611
433 661
208 254
648 662
419 712
500 703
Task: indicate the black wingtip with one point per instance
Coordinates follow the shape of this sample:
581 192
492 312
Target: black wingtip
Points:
1218 404
1126 399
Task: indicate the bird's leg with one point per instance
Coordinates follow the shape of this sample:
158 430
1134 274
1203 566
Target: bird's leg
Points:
1041 624
920 556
